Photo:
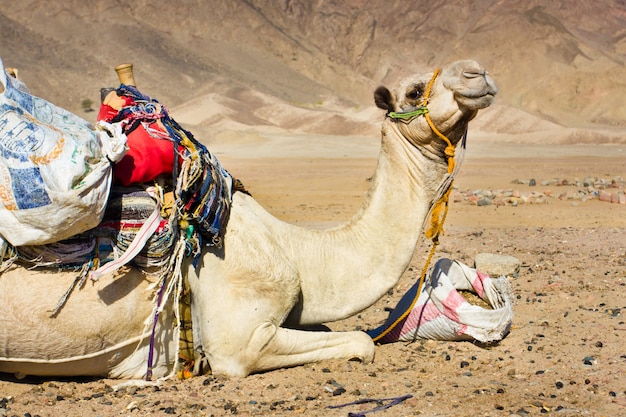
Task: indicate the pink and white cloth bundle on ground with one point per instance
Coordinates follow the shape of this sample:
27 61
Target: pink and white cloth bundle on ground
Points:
440 312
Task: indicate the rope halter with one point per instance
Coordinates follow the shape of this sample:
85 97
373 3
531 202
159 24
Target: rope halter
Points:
423 110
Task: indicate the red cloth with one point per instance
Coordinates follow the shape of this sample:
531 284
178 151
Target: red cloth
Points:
147 157
106 113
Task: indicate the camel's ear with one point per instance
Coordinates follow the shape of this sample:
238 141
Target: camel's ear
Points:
383 99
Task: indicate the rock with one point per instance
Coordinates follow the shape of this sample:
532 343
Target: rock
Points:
496 265
580 191
589 360
604 196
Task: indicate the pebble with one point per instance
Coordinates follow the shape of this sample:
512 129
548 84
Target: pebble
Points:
590 188
589 360
335 389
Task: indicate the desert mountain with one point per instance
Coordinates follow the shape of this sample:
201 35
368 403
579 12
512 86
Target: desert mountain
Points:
312 65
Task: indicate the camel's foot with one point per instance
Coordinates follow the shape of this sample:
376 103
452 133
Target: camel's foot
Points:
136 383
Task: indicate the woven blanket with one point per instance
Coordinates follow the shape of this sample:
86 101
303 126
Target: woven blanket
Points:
127 210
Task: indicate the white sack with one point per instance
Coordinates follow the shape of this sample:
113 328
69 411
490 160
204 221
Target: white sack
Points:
55 173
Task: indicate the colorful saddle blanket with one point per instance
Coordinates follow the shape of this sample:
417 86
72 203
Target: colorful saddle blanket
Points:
202 186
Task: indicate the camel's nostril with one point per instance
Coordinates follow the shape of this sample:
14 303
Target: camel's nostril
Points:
474 73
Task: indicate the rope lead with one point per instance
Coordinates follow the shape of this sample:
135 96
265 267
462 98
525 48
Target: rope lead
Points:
440 207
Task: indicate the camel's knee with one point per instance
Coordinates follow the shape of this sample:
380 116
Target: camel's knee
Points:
242 358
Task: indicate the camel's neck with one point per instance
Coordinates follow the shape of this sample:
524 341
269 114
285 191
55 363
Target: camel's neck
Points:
347 269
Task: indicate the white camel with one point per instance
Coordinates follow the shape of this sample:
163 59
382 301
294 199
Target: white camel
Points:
253 299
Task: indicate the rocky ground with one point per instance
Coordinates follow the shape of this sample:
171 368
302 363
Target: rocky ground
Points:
565 355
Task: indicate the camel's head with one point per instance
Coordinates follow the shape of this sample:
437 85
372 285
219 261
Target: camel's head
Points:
451 98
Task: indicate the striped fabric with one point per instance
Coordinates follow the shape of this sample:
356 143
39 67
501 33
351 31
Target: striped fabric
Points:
127 211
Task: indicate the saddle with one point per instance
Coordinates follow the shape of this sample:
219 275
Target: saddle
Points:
200 190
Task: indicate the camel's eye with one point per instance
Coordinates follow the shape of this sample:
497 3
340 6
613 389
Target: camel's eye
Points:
415 92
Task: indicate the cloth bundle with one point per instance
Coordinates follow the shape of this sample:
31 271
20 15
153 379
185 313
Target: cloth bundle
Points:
151 151
440 312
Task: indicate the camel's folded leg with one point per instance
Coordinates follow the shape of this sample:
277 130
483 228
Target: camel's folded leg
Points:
272 347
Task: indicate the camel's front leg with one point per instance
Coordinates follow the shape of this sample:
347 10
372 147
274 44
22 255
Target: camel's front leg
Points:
272 347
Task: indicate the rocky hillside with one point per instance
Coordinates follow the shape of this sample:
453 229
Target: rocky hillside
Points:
559 60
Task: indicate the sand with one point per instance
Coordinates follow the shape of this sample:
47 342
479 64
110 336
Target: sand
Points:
565 354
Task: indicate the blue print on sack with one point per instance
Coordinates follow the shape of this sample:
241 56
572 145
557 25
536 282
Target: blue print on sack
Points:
19 138
24 100
28 188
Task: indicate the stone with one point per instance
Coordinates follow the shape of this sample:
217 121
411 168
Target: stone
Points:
604 196
496 265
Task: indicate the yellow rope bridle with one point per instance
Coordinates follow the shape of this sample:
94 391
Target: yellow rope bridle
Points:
440 207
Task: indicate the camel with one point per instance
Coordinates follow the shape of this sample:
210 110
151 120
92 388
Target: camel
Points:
256 299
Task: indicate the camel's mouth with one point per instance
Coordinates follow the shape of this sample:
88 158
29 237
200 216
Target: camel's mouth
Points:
476 96
476 100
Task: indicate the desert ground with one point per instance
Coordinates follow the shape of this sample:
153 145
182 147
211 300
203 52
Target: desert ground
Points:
565 354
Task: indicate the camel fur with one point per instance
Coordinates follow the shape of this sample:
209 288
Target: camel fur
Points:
253 298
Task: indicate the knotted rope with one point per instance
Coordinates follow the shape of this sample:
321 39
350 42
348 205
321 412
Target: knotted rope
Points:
439 209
